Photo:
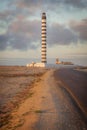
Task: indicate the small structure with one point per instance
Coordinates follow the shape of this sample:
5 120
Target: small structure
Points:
31 65
63 62
57 61
36 65
66 63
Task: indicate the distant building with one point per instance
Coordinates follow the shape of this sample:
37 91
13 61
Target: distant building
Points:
57 61
63 62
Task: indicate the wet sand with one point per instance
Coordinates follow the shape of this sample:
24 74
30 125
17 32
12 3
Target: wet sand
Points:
47 105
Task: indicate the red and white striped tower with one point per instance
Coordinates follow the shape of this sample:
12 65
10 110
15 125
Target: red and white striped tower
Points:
43 35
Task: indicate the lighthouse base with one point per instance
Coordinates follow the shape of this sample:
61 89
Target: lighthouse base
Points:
36 65
40 65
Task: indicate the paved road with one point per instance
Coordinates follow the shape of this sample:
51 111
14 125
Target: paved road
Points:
59 109
76 82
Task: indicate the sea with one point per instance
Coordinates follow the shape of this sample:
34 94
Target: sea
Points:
81 60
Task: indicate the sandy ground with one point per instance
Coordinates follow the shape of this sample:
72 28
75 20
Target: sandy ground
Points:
48 107
15 85
13 80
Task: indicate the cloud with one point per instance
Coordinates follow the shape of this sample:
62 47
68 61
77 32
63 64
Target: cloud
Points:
37 5
51 3
21 35
80 28
60 35
3 42
28 8
6 15
30 29
76 3
31 6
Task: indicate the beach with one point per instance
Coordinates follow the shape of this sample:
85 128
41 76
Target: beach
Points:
40 99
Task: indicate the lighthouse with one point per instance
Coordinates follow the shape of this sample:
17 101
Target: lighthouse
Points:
43 38
43 45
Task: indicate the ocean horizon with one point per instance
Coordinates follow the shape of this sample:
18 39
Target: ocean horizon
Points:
24 61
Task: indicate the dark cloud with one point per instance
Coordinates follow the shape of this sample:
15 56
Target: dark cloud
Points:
31 6
59 34
6 15
3 42
28 8
21 35
12 14
51 3
76 3
30 29
80 28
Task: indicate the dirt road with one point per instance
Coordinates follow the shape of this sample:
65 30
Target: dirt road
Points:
50 107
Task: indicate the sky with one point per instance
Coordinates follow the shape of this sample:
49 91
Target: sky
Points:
20 28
